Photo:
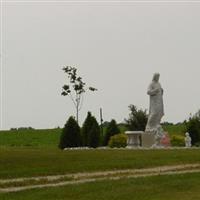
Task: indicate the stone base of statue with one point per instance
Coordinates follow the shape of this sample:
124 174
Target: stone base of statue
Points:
147 140
153 139
156 134
134 139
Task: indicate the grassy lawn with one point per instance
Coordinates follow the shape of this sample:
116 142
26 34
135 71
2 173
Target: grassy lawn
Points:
173 187
26 162
179 129
28 153
33 138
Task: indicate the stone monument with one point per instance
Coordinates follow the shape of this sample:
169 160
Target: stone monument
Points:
156 111
188 140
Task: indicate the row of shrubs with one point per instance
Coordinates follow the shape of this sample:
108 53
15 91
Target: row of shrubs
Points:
90 134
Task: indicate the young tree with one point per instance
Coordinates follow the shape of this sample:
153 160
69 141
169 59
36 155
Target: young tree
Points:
94 134
90 131
75 89
112 129
137 119
87 125
70 136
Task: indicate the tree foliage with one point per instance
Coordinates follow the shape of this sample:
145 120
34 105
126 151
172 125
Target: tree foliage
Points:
75 88
70 136
193 128
118 141
90 131
112 129
87 125
137 119
94 134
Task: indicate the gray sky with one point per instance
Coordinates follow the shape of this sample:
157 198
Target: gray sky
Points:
116 48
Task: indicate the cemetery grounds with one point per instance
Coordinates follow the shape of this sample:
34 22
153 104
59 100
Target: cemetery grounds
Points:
32 167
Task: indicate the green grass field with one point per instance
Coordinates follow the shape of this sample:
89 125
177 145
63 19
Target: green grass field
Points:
26 162
28 153
30 138
184 187
35 152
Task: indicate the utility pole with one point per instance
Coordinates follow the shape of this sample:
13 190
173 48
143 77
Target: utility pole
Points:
101 122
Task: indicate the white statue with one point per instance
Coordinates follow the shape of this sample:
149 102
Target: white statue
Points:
156 109
188 140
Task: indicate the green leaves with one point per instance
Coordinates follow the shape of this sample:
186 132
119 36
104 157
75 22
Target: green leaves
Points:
70 136
193 128
92 89
111 130
137 119
75 82
90 131
66 90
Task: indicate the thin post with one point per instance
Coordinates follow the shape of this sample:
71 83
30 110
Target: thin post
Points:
101 122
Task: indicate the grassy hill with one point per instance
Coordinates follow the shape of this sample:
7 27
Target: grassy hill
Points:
33 138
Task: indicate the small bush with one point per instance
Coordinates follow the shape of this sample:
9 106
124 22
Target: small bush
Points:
178 141
111 130
119 140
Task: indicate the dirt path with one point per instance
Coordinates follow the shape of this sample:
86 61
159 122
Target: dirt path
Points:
20 184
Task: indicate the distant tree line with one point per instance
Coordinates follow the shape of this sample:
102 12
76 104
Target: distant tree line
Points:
22 129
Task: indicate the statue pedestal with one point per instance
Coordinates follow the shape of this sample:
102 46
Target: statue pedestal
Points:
137 139
147 140
134 138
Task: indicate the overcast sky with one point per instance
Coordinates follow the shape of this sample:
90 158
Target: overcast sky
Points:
116 48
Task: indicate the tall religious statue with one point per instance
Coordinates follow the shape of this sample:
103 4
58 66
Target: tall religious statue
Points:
156 109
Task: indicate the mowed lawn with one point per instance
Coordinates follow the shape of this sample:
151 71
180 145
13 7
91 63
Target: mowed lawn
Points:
28 161
35 153
30 138
173 187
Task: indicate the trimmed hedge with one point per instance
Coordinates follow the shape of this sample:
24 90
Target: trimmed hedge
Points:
119 140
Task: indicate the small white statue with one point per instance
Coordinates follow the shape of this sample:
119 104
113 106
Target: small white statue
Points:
188 140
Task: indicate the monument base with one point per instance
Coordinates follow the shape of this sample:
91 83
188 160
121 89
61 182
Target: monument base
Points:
134 138
147 140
